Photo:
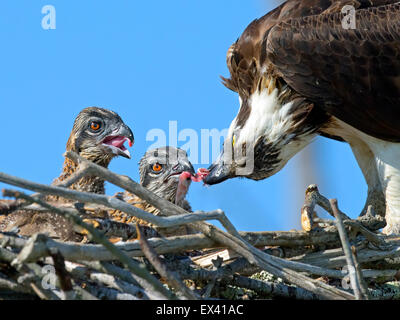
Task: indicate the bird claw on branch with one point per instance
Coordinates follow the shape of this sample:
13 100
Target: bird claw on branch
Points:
365 224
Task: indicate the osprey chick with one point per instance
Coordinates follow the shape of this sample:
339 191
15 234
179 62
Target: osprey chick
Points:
300 72
168 173
98 135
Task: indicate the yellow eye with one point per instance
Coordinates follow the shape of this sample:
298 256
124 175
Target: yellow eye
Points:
95 125
233 140
157 167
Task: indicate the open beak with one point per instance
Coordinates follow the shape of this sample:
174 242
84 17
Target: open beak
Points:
116 141
219 172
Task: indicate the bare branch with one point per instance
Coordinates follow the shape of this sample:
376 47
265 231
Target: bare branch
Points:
98 237
114 203
290 243
354 274
171 277
63 276
269 263
272 264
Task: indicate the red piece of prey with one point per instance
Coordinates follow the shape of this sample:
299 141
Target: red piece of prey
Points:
185 179
200 175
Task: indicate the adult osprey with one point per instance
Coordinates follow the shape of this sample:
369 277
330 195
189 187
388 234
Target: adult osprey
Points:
300 71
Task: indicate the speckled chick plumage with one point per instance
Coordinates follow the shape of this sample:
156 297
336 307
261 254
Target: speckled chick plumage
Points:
92 138
164 183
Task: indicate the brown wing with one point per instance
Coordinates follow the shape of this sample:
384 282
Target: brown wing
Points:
246 54
135 201
353 74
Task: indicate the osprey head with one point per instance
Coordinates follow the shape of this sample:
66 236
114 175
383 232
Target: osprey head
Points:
272 125
161 169
99 135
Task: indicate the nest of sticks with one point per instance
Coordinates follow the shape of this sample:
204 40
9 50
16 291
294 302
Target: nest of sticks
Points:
341 258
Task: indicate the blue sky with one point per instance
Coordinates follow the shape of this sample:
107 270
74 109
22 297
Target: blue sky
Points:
152 62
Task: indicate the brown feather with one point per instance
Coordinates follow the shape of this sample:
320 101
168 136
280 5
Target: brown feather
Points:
303 43
322 63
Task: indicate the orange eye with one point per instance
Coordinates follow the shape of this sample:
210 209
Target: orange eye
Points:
157 167
95 126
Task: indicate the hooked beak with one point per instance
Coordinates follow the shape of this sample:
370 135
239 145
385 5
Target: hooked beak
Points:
182 166
186 166
219 172
116 141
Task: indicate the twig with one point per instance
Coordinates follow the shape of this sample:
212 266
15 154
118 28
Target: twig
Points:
83 171
226 275
30 276
359 274
63 276
279 290
307 211
354 274
84 271
291 271
274 265
84 294
33 277
271 264
117 204
369 235
107 293
91 252
334 258
83 274
40 293
171 277
127 277
98 237
313 198
12 285
76 252
112 282
6 255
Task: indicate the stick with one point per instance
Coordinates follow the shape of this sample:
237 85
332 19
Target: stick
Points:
114 203
355 280
171 277
269 263
98 237
63 276
272 264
